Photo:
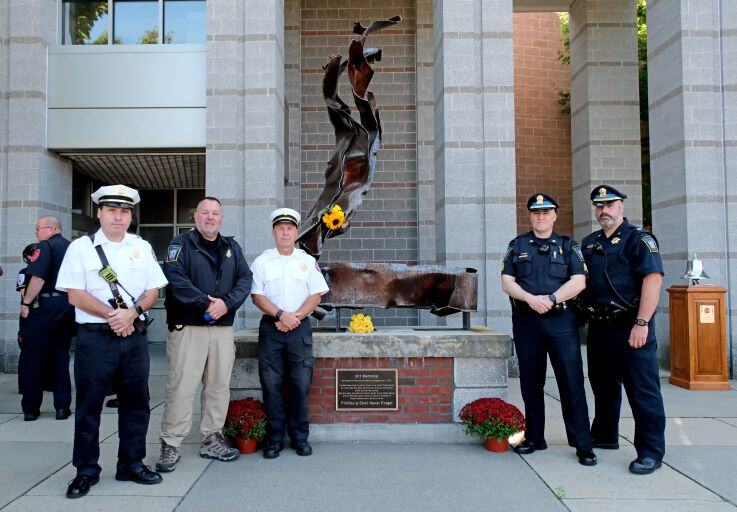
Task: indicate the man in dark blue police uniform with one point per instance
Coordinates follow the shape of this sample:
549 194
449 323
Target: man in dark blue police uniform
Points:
541 272
48 328
625 276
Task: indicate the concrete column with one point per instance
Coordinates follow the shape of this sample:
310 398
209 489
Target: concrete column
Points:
292 93
245 118
426 253
692 85
605 119
474 144
33 182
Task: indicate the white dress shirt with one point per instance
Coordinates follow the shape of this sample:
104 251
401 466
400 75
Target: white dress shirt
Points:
132 259
287 281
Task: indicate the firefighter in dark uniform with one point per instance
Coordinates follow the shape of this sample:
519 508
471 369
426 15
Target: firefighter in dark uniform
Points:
625 277
541 272
20 287
112 279
48 328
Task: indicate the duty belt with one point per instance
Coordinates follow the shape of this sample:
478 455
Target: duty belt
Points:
608 313
52 294
522 307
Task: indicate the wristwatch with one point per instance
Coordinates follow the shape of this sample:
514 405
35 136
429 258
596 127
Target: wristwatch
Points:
278 313
553 299
139 309
641 322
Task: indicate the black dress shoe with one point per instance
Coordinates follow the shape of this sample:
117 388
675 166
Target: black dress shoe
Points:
272 449
644 465
62 414
602 445
142 475
80 486
527 447
586 457
113 403
30 417
302 446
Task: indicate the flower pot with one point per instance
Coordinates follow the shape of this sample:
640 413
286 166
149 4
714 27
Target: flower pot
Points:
246 445
494 445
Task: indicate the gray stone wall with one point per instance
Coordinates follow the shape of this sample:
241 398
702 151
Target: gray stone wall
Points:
474 144
246 120
33 182
605 118
692 86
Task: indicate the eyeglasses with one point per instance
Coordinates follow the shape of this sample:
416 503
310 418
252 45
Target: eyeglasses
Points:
43 227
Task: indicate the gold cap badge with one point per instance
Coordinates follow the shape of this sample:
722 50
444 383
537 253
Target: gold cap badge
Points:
539 199
602 192
121 191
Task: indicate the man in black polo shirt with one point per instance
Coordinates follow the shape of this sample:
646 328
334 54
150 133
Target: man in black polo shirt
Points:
48 328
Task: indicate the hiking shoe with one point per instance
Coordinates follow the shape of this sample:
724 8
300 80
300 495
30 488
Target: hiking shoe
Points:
168 458
215 447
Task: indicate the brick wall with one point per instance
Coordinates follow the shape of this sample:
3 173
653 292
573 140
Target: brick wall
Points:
542 132
425 391
385 227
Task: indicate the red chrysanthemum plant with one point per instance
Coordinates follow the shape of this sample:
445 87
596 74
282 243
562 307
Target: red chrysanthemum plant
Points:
492 418
245 419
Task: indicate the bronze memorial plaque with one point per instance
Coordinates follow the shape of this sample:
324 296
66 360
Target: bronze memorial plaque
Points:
366 389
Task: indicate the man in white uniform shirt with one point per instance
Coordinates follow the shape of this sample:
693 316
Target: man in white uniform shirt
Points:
287 286
111 348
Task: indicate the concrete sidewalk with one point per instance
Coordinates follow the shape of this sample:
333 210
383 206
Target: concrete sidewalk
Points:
699 471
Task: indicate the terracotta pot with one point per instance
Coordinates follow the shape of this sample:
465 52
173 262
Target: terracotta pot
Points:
246 445
494 445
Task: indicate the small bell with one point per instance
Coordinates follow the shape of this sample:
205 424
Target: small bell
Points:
695 271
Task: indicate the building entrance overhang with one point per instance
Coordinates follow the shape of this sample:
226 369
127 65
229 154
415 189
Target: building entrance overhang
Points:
143 169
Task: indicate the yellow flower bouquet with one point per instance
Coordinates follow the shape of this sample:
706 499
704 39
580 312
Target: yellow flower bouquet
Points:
361 323
333 217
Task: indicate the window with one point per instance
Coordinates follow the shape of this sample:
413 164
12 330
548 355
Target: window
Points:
136 22
184 21
87 22
166 213
84 22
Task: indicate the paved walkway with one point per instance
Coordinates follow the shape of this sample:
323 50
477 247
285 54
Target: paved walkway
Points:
699 474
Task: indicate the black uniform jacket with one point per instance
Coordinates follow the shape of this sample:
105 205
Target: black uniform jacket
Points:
193 274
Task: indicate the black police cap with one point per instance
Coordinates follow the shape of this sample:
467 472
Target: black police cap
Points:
606 194
540 201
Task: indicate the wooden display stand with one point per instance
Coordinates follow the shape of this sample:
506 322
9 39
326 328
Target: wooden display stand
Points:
698 337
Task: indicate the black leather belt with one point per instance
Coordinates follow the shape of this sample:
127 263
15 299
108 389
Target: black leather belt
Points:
97 327
52 294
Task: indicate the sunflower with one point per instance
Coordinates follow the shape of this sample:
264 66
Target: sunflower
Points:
333 218
361 323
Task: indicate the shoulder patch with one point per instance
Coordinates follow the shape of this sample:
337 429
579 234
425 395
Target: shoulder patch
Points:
172 253
650 242
35 255
577 249
21 281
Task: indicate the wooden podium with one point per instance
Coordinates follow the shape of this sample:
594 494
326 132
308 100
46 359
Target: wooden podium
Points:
698 337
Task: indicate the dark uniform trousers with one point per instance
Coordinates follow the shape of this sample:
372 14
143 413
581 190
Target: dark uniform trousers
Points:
47 335
280 353
536 336
612 362
102 361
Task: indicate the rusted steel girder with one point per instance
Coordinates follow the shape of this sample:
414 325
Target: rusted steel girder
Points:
442 290
351 168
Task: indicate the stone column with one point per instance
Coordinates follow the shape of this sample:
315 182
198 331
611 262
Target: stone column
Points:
692 86
474 144
605 119
33 182
245 119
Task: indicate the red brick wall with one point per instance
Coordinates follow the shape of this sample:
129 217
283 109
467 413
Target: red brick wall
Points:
543 134
425 391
